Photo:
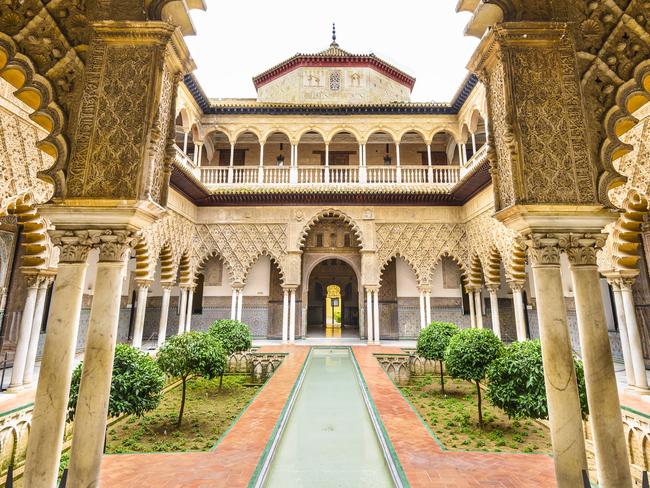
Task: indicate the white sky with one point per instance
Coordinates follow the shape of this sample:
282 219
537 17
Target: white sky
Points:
239 39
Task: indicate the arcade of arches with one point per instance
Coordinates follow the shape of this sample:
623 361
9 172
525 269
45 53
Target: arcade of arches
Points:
329 208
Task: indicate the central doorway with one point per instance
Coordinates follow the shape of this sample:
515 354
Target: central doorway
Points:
333 300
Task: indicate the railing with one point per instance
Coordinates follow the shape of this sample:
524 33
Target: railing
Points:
478 158
183 160
341 175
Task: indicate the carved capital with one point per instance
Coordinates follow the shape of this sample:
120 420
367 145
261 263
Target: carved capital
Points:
492 288
516 286
74 245
582 249
626 283
143 284
115 245
167 286
32 280
543 249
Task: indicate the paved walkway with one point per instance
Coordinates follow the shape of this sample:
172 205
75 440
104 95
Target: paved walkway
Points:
425 463
233 462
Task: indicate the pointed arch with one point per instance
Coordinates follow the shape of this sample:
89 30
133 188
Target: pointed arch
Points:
420 276
333 213
464 274
215 254
274 259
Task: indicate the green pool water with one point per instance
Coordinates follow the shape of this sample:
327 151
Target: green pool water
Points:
329 439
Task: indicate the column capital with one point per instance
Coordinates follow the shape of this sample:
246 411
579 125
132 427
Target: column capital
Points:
115 245
424 288
372 288
167 286
74 245
289 288
582 249
33 279
492 288
143 283
543 249
516 286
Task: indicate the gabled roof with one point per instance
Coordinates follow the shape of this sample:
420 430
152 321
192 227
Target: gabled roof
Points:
334 56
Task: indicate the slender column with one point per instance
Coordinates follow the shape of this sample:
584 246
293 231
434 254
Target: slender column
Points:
636 350
360 155
188 314
233 305
3 297
33 282
363 172
35 333
185 139
51 401
429 163
195 156
240 303
138 329
231 171
427 304
260 173
292 315
422 313
182 310
565 417
478 308
293 170
95 386
472 312
199 160
285 316
369 315
327 163
494 309
164 313
375 310
463 154
473 143
612 464
518 304
615 282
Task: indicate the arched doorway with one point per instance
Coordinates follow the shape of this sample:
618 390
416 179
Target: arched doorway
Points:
333 300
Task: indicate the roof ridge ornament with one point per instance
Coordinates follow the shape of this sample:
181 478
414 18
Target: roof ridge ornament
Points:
334 43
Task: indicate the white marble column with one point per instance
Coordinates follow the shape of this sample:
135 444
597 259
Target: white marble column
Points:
494 309
478 308
260 174
472 312
32 281
375 314
473 143
182 310
615 283
95 386
429 161
520 310
185 140
369 314
240 303
188 314
164 313
140 311
199 159
233 305
285 315
37 322
423 317
636 349
565 416
51 402
327 163
612 463
292 315
427 306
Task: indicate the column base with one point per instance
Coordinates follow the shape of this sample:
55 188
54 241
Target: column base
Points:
638 390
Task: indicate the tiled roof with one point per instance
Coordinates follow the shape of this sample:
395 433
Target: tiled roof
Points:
334 56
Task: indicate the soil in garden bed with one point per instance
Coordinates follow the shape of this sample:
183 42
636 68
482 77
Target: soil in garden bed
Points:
209 412
454 419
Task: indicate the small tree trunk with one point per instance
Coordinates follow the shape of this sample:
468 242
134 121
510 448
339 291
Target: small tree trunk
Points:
220 380
180 414
442 378
480 409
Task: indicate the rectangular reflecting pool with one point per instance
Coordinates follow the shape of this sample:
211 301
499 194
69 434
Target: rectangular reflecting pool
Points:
330 438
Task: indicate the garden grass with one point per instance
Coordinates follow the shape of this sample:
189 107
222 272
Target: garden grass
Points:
209 412
454 419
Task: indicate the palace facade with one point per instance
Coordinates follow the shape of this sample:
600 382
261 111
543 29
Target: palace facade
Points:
331 205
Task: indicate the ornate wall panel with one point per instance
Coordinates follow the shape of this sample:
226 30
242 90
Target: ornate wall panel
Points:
421 245
240 245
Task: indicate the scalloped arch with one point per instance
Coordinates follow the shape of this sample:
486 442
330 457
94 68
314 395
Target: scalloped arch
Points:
398 255
331 212
36 251
36 92
215 254
459 262
627 232
274 259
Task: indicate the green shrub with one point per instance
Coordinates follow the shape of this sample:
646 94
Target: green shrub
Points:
193 353
469 355
233 335
516 382
433 342
136 385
